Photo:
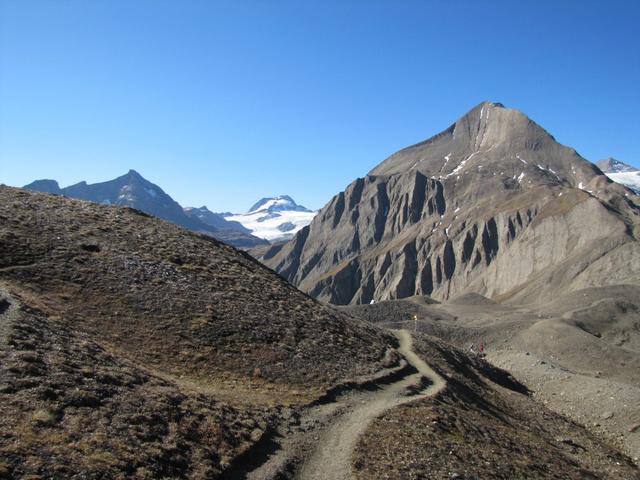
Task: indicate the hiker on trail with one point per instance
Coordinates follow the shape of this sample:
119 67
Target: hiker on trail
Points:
481 352
472 349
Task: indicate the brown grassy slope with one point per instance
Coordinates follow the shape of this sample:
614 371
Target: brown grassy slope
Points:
477 429
69 409
177 302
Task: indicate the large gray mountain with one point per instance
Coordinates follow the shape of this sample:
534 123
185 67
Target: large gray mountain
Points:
493 205
133 190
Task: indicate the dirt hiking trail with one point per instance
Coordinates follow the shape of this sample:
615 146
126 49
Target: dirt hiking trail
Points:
332 455
327 434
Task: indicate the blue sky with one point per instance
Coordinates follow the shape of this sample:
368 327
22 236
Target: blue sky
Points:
221 103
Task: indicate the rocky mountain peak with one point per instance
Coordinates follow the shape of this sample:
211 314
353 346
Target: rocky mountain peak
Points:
132 178
621 173
612 165
500 146
274 218
487 130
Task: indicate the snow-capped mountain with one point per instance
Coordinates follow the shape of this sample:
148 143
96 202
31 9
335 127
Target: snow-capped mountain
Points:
275 218
621 172
282 203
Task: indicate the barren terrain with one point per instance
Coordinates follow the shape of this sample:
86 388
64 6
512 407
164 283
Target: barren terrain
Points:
579 355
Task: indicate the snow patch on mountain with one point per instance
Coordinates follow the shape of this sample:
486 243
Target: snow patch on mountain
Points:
628 179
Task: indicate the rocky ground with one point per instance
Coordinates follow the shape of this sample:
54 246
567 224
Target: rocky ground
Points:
578 355
134 349
479 429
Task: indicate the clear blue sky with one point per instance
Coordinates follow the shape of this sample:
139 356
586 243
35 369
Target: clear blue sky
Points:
221 103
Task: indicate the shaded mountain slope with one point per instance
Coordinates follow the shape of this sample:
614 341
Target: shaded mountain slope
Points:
216 220
133 190
492 205
173 300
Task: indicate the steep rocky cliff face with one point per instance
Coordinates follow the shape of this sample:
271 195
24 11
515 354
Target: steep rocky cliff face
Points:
492 205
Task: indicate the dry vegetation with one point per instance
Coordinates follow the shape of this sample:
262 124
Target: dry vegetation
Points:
69 408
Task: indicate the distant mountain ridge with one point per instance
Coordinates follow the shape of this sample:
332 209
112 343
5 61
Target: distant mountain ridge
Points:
214 219
133 190
274 218
621 172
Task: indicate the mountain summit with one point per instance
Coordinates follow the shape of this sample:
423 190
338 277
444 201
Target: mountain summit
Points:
491 205
491 139
277 204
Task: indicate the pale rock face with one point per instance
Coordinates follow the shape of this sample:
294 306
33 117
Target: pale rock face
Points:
492 205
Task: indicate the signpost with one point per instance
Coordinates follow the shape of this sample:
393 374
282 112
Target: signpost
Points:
415 323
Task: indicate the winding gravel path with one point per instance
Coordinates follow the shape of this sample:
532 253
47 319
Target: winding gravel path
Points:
332 455
323 449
